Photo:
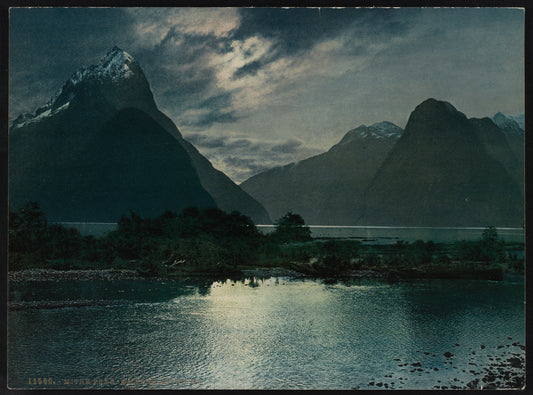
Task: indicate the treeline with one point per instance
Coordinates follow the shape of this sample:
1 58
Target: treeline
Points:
210 241
194 240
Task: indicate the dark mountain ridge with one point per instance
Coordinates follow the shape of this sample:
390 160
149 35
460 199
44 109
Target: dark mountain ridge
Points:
443 170
440 173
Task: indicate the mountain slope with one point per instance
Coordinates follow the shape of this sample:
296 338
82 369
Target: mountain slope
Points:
497 146
96 173
326 189
67 131
513 128
440 174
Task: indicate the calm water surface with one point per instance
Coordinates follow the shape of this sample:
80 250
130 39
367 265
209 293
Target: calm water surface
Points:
273 333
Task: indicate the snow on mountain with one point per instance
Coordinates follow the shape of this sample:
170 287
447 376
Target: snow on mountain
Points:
381 130
114 67
384 129
507 124
41 113
519 119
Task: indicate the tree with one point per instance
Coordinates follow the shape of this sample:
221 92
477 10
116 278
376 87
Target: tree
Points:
63 242
489 249
490 234
493 246
291 228
27 228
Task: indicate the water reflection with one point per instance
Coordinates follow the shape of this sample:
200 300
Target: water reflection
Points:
251 332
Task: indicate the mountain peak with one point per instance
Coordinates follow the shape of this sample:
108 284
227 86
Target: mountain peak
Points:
115 65
507 123
434 113
433 105
381 130
116 76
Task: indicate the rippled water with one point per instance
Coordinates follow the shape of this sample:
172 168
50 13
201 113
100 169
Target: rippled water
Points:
274 333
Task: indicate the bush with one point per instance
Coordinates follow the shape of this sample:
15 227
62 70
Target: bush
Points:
332 265
517 266
27 229
291 228
489 249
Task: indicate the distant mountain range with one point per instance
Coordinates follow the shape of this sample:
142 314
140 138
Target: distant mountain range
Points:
443 170
100 147
327 189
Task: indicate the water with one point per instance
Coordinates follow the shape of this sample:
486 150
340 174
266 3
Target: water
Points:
276 333
390 234
371 234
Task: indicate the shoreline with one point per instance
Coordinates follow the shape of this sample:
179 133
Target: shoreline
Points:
386 274
81 274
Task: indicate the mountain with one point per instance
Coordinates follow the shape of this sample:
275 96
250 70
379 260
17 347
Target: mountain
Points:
326 189
100 146
497 145
520 119
508 124
441 173
513 128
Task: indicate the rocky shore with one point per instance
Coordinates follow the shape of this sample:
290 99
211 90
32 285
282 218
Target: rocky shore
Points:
72 275
266 272
56 304
505 369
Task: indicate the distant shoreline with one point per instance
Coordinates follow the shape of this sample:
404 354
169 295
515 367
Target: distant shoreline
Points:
334 226
366 234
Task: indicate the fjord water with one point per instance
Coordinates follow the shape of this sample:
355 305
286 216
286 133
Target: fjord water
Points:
271 333
379 234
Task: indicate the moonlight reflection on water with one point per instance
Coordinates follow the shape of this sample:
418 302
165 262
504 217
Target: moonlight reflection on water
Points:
270 333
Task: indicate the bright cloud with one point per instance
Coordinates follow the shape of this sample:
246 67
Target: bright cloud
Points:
152 25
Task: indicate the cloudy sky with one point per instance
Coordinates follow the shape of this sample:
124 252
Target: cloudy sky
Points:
253 88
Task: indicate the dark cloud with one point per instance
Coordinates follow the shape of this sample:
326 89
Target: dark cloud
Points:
246 164
206 141
168 59
287 147
215 116
248 69
201 140
242 169
219 101
241 158
295 30
192 83
243 143
48 44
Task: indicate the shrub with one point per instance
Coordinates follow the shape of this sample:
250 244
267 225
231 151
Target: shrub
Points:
291 228
489 249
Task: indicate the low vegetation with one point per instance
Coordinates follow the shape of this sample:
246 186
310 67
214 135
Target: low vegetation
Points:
212 242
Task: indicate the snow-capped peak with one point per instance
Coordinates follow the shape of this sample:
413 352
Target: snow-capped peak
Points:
116 64
384 130
379 130
114 67
507 123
